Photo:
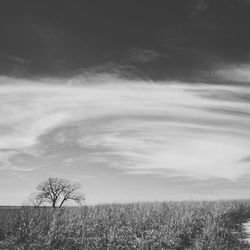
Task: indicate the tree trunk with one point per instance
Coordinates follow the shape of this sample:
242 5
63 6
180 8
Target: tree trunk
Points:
54 203
62 202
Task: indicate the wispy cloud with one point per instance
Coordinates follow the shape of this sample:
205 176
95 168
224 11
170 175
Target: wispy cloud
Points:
140 55
167 129
234 72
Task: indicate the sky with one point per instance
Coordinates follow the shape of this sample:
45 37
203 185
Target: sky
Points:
136 101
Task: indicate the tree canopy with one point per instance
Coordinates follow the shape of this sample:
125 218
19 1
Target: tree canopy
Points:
57 192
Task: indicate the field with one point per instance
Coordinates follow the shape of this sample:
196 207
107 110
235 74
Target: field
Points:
163 225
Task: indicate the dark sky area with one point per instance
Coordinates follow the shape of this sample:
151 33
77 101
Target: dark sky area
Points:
168 39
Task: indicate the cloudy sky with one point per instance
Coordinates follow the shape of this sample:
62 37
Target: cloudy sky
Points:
145 101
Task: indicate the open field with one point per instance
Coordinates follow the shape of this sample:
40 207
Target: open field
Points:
163 225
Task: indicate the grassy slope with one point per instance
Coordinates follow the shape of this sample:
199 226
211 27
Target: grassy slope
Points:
166 225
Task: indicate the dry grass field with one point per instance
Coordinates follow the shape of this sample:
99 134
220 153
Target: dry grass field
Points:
163 225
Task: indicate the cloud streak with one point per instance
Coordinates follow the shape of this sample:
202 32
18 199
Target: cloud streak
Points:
172 129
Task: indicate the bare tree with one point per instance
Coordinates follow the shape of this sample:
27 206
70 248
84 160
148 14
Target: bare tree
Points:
56 192
35 199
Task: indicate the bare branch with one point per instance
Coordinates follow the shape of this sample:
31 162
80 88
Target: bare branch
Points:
57 191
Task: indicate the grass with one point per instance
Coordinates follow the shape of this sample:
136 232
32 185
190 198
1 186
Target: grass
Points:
163 225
